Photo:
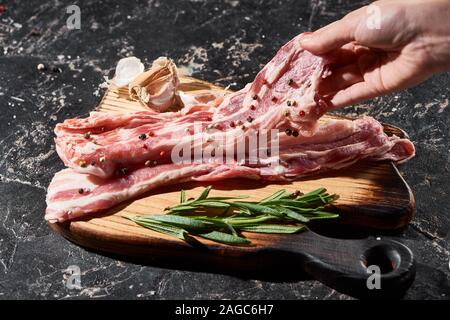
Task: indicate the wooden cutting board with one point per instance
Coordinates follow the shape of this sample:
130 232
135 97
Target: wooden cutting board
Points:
373 196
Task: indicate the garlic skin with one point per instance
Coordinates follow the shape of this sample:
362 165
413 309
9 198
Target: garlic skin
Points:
156 87
127 69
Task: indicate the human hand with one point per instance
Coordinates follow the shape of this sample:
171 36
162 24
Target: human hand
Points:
387 46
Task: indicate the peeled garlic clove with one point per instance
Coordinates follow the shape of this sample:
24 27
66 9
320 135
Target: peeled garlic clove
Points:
157 86
127 69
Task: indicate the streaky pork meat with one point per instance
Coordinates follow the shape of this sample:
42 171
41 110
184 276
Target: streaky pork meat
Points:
283 95
72 194
103 153
335 144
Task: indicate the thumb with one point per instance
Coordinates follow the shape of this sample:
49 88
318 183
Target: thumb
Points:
332 36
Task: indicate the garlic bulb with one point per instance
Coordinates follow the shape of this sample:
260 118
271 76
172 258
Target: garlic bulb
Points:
157 86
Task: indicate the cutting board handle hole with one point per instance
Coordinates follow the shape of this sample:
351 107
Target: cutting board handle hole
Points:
386 257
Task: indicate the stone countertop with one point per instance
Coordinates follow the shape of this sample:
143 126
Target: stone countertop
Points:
221 41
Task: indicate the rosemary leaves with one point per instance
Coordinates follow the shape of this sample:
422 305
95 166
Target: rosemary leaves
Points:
280 213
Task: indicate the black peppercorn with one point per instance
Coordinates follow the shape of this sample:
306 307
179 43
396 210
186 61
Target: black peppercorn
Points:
56 69
297 193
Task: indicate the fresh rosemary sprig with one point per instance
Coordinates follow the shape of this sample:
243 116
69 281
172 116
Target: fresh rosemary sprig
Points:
281 212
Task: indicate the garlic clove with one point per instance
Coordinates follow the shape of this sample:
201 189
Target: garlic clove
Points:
127 69
157 86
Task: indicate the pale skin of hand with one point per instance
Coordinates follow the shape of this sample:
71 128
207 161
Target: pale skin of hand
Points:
410 45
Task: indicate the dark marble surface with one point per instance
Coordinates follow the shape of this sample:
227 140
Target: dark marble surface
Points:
221 41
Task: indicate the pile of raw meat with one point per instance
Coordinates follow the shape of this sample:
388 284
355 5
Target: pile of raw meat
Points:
114 157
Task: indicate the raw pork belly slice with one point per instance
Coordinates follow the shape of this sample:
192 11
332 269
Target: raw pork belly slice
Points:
72 194
283 95
103 153
335 144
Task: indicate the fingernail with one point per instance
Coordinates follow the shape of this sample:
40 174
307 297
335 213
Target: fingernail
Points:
306 37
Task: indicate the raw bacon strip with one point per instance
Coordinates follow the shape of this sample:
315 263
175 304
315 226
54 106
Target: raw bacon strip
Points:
120 147
72 195
125 149
401 151
347 142
101 122
282 95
